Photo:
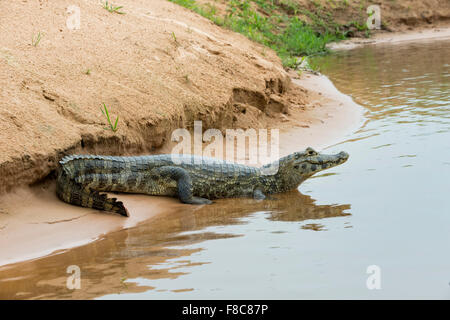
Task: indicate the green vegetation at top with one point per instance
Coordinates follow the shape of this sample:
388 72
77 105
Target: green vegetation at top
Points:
113 9
277 24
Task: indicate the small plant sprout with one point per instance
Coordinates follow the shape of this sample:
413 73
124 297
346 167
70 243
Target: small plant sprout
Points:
111 8
302 61
174 38
106 114
36 39
88 71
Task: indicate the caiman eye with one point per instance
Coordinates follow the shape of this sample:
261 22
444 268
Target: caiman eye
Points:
296 166
310 152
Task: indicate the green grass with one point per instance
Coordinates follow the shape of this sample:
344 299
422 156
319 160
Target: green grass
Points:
174 37
113 9
208 11
106 114
275 24
36 39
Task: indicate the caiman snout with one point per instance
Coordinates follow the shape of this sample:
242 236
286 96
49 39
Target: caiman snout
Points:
343 155
336 159
314 162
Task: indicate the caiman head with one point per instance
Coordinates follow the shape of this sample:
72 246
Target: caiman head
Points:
299 166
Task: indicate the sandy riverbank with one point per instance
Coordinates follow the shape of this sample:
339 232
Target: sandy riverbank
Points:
189 69
35 223
158 67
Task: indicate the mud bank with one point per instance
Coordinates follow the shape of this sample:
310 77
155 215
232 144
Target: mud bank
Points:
34 223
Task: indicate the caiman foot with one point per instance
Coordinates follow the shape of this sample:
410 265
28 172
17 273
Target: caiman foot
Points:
197 200
258 195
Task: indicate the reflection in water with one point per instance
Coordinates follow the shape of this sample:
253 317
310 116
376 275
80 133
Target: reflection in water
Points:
110 265
314 226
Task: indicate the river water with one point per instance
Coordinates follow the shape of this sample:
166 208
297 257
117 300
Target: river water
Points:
377 227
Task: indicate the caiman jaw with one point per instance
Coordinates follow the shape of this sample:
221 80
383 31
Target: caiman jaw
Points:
316 162
325 161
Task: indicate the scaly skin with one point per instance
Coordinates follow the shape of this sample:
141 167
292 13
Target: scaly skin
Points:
193 179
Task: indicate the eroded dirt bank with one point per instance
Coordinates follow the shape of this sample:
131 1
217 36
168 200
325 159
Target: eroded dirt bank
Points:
158 67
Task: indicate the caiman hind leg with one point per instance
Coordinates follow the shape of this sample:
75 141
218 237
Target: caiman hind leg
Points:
184 183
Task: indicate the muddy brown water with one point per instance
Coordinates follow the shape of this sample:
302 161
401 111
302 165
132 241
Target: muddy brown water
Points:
387 207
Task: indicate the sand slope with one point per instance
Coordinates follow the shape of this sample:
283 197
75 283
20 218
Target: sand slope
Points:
158 67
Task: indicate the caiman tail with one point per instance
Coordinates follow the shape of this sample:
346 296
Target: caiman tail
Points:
68 190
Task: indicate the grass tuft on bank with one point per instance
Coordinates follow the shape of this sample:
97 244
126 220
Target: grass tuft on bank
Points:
276 24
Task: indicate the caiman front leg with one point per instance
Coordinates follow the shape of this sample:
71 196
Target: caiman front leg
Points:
184 183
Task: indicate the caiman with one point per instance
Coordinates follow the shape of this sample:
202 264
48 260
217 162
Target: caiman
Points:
193 179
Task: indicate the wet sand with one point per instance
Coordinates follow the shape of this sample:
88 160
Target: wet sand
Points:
393 38
34 223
